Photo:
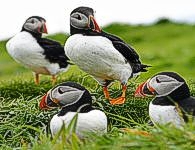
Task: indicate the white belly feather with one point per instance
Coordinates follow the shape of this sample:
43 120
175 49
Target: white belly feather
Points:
24 48
97 56
165 114
94 121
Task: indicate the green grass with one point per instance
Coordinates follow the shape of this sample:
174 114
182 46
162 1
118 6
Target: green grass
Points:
23 124
167 47
162 139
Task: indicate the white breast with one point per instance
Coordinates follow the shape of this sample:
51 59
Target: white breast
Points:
164 115
24 48
94 121
97 56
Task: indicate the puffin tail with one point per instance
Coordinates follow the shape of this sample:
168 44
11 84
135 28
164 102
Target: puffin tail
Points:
140 68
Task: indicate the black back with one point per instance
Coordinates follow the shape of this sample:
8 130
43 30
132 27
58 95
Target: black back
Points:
188 105
53 52
128 52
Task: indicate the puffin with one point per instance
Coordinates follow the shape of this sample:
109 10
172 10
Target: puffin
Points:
74 99
104 56
41 55
172 103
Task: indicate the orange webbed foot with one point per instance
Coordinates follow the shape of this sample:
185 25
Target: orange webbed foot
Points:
119 100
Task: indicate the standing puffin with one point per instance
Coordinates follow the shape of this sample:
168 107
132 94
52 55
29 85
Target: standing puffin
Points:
73 98
41 55
172 102
102 55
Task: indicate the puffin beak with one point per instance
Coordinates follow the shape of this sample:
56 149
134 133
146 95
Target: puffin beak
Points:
144 90
93 24
43 104
139 91
43 28
48 103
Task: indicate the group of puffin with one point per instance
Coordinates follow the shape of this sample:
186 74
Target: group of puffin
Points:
107 58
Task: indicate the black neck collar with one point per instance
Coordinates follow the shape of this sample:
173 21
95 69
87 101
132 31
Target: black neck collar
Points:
74 30
168 100
35 35
163 101
73 108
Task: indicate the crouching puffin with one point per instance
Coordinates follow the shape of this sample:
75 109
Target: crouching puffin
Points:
41 55
172 103
73 98
102 55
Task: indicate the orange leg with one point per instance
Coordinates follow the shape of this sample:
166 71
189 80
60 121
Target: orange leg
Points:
121 99
53 79
106 93
36 79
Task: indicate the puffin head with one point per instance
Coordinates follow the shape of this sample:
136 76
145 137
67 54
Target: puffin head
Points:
67 94
82 18
35 24
164 84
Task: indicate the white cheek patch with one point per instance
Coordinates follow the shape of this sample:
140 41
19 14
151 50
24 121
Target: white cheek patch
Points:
166 85
67 95
70 98
79 24
32 26
167 89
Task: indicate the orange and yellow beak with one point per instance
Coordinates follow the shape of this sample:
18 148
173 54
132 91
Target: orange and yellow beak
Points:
43 104
139 91
43 28
48 103
93 24
144 90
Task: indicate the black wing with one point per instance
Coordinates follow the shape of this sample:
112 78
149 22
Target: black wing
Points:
128 52
54 52
188 106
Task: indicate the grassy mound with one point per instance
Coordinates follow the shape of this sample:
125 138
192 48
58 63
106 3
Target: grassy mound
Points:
20 112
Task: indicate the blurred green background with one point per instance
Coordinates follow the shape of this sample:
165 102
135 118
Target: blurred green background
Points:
165 45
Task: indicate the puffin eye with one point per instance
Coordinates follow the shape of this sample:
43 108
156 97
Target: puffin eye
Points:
32 21
157 80
60 91
77 16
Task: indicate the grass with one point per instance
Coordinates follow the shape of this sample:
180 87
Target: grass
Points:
19 110
167 47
